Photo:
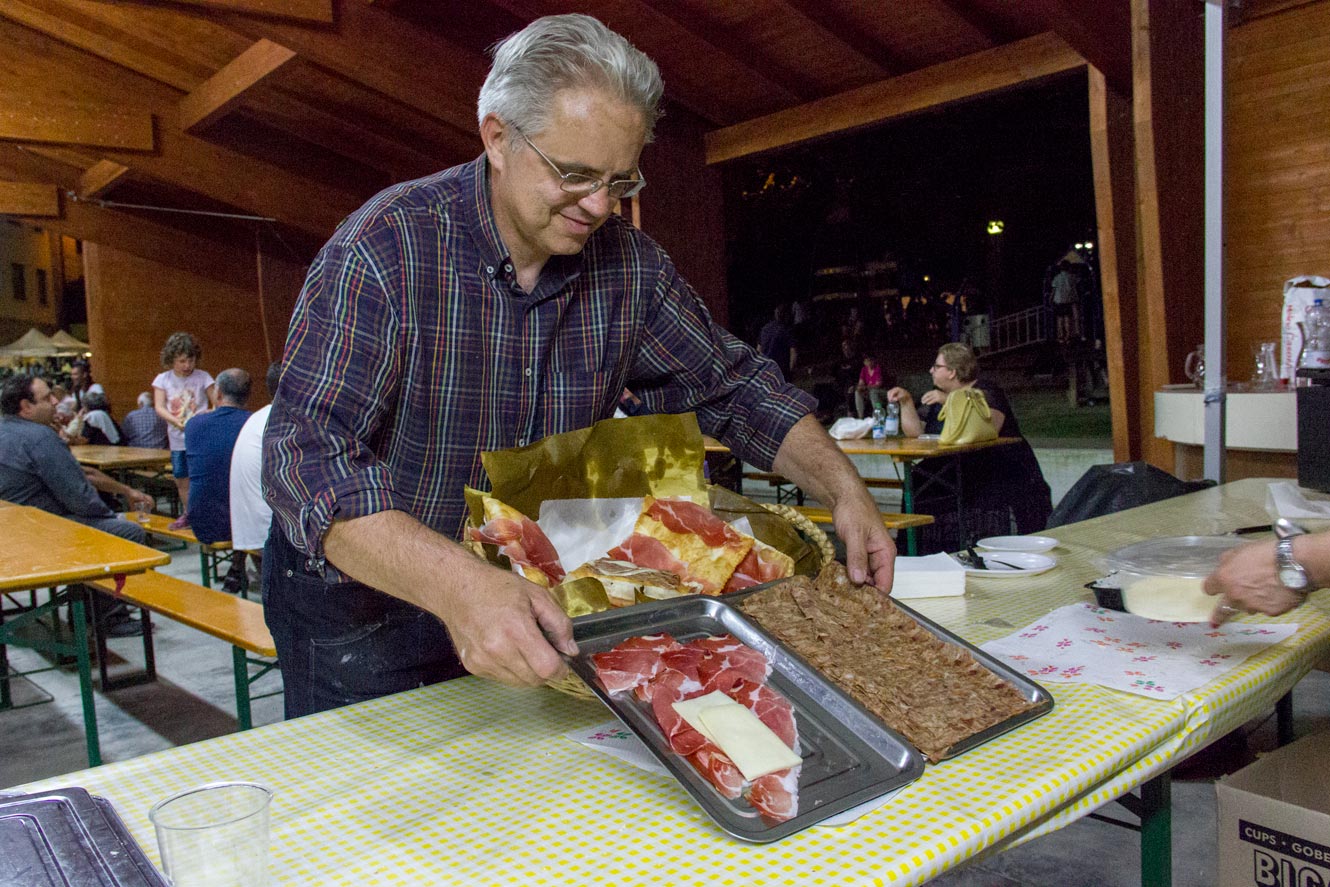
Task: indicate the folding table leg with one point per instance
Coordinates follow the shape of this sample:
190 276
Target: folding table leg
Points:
1157 831
1284 719
907 505
85 680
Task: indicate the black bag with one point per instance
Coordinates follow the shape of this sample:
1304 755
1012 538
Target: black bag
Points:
1105 489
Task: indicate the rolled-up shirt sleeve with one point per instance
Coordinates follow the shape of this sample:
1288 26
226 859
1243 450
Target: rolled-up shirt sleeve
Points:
340 376
686 362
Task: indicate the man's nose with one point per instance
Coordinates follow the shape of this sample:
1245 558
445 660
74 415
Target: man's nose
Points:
599 204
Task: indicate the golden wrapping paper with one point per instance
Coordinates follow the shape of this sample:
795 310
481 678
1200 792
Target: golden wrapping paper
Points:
659 456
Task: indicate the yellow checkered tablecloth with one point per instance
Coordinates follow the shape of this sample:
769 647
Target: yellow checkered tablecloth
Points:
473 783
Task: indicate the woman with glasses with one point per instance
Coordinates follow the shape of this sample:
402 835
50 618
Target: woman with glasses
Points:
1004 485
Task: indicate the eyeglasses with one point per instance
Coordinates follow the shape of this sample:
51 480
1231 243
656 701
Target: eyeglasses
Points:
585 186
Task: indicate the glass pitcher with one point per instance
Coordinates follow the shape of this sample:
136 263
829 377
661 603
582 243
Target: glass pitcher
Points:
1266 373
1194 367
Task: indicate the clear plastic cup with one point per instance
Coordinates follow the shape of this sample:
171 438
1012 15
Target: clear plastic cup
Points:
215 835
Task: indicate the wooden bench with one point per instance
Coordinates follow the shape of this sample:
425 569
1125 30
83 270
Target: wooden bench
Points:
780 482
211 555
235 620
822 516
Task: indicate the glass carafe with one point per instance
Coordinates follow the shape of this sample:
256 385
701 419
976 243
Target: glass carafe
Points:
1194 367
1265 376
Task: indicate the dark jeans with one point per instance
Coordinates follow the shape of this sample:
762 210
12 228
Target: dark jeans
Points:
346 642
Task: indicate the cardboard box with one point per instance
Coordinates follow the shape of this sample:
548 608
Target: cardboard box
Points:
1274 819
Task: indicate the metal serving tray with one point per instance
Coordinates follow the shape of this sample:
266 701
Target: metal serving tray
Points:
1036 695
849 756
68 838
1039 698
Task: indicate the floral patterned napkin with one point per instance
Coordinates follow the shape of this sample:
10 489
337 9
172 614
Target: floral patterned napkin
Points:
1082 643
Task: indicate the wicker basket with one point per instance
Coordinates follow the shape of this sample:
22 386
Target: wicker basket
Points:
812 533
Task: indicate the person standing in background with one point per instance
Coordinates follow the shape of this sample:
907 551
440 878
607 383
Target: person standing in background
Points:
180 393
777 341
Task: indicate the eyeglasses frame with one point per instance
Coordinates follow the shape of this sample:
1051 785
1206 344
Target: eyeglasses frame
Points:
636 185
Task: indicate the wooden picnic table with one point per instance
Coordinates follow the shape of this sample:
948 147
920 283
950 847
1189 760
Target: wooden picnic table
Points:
112 459
42 550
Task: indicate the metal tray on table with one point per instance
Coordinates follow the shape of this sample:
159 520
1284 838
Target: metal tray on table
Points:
849 756
68 838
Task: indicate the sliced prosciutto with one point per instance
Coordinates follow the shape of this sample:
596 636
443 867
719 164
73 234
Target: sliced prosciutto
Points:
524 543
762 564
683 516
647 552
661 671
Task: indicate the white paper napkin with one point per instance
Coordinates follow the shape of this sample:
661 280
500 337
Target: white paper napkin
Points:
616 740
1084 644
1284 499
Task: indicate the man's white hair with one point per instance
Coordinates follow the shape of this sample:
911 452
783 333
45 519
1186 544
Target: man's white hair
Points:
559 52
145 399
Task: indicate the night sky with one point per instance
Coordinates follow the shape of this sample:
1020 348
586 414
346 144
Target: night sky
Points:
919 191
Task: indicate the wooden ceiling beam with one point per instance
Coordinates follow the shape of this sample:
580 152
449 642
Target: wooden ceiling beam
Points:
1101 32
826 17
387 54
37 199
301 10
24 118
992 69
101 178
68 156
226 89
993 31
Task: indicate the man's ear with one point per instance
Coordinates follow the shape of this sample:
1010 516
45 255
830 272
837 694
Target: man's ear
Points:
494 135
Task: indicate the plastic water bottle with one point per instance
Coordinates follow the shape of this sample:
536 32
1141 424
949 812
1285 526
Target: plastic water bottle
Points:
891 426
879 423
1316 337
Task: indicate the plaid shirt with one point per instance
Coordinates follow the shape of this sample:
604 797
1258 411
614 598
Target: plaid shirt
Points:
144 428
412 350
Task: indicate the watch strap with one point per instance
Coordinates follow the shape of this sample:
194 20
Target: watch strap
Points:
1286 563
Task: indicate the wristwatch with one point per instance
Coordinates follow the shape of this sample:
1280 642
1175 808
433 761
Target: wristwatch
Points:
1292 575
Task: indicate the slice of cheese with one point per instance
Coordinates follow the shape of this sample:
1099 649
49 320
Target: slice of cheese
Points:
690 709
751 744
735 730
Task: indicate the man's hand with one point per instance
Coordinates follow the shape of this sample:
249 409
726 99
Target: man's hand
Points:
870 553
500 630
900 395
933 396
140 501
1247 580
498 621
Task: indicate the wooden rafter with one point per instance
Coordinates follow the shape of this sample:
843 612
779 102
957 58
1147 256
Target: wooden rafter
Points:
826 17
101 178
24 118
39 199
1099 31
227 88
992 69
301 10
990 29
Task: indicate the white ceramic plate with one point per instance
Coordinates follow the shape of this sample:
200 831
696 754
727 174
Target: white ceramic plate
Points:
1013 563
1032 544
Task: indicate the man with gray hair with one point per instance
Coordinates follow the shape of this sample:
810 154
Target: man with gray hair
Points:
484 307
209 439
143 427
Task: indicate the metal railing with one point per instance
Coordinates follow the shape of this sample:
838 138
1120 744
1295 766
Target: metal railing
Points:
1016 330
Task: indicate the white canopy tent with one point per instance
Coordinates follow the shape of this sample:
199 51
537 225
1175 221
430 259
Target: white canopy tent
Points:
33 343
69 346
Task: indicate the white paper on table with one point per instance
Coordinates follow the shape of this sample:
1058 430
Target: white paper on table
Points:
1085 644
616 740
1284 499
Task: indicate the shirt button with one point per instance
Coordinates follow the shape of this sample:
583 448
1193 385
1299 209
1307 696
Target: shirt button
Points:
521 441
489 269
528 371
508 268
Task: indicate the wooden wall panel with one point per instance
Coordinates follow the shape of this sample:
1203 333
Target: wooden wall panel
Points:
682 207
1277 182
135 303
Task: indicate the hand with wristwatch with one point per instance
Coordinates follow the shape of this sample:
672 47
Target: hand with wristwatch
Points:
1270 578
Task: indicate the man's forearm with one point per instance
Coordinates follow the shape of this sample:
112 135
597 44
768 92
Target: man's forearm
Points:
396 554
810 458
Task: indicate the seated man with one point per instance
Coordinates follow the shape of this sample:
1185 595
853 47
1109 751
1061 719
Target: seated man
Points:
1002 484
209 440
37 469
143 427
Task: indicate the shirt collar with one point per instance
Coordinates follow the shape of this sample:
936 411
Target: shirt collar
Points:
484 229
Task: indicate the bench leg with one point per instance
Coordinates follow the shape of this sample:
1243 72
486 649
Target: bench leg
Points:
205 567
907 506
240 665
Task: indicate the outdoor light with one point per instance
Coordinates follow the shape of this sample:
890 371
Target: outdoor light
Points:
1089 245
995 227
927 278
1080 246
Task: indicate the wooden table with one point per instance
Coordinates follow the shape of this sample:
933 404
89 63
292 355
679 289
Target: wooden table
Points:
906 452
112 459
470 782
42 550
